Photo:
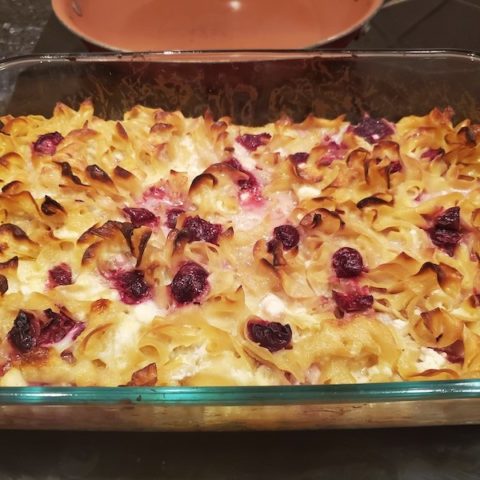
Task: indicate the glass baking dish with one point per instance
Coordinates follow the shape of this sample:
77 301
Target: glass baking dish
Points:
253 88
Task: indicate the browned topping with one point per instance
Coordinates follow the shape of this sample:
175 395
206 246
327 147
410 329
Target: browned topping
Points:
467 135
68 357
3 284
68 173
14 230
121 172
145 377
160 127
100 305
96 173
89 253
109 230
10 263
142 245
11 187
121 131
370 201
51 207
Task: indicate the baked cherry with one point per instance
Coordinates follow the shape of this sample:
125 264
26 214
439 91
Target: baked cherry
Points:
352 302
445 232
446 239
252 142
273 336
199 229
60 275
25 332
299 157
288 236
28 332
58 327
372 129
347 262
455 352
449 220
132 286
47 143
189 283
140 216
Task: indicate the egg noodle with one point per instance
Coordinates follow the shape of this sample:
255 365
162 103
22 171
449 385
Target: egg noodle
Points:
98 217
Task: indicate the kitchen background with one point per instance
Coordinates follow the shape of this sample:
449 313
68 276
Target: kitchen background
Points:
420 454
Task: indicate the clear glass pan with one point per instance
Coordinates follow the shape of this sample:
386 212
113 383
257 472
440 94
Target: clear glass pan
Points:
252 87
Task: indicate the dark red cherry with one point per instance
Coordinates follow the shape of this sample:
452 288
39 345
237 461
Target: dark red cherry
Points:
140 216
25 332
132 286
288 235
60 275
299 157
47 143
199 229
449 220
352 302
446 239
372 129
252 142
189 283
58 327
273 336
455 352
347 263
445 232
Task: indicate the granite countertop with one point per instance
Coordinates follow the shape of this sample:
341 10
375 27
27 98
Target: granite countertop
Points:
21 24
391 454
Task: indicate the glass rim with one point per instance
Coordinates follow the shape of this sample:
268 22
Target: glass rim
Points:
230 55
242 396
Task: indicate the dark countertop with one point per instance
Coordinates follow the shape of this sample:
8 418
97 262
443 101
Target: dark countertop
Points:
403 454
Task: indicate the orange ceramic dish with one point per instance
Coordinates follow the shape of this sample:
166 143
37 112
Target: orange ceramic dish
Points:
147 25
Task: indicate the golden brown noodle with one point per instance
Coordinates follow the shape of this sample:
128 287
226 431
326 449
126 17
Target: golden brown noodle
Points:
380 199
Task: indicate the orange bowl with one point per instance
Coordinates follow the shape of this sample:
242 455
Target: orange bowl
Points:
146 25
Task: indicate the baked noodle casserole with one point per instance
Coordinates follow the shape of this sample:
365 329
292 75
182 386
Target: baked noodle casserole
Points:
165 250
